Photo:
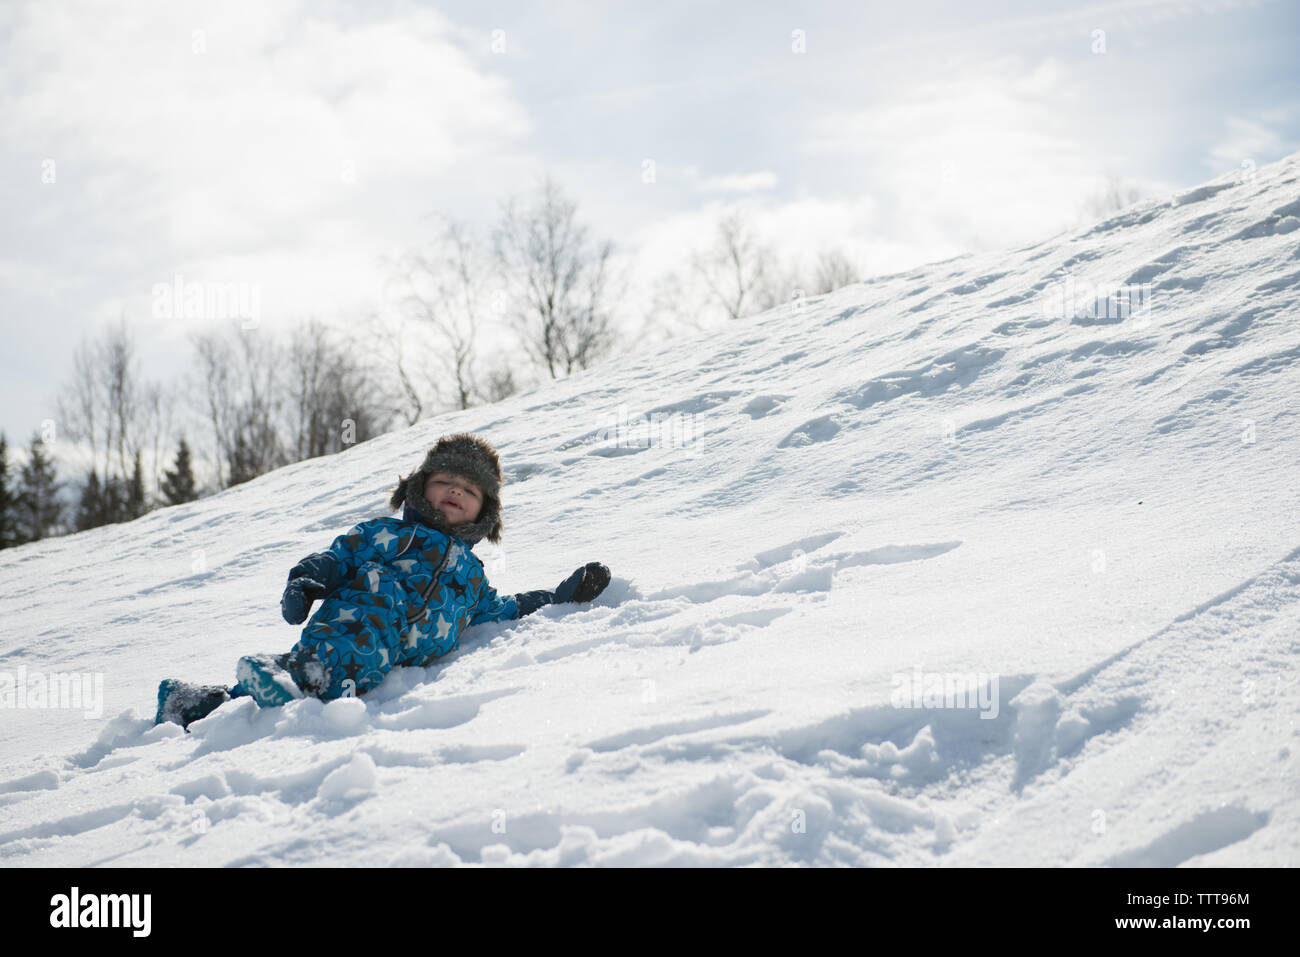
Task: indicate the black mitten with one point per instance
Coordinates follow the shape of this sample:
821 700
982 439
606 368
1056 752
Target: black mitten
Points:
314 577
584 584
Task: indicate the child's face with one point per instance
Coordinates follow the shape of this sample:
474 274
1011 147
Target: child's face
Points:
457 498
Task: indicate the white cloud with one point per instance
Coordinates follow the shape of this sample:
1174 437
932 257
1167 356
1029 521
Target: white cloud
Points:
992 159
249 138
1245 141
739 182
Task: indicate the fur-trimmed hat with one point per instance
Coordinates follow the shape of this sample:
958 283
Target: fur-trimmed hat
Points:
471 458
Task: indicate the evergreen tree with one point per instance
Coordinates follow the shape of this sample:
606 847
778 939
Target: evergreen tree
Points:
90 510
243 462
8 501
103 502
40 513
178 483
137 502
114 501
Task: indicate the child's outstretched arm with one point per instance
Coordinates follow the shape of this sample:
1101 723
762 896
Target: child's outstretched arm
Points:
583 585
320 575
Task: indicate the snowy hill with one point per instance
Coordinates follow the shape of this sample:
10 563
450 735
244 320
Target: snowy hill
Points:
993 562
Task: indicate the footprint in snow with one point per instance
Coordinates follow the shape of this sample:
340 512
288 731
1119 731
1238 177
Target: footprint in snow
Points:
820 429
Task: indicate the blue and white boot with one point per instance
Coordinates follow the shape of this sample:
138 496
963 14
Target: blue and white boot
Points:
266 679
273 680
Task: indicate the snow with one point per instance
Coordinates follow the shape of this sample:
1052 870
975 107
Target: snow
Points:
952 567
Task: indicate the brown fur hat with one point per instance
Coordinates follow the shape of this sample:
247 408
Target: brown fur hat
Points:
469 457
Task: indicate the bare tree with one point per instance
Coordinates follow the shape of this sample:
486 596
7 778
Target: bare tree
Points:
832 270
121 419
244 405
215 373
1115 195
445 289
106 405
81 404
736 275
499 383
392 346
312 375
333 395
258 417
122 394
739 272
676 306
564 292
158 404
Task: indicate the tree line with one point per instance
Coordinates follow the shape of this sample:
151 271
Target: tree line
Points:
31 507
475 319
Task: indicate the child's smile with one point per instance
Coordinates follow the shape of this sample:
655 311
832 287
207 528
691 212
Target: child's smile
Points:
457 498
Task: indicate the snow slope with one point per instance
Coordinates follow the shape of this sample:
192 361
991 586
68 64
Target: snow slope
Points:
969 473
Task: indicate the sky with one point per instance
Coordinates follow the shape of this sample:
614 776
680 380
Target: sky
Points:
293 149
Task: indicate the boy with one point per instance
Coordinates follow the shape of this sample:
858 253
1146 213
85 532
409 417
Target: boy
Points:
395 592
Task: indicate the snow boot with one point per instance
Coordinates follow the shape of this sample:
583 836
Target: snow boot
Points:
183 703
266 678
273 680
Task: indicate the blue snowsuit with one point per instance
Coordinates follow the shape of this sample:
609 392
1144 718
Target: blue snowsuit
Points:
404 591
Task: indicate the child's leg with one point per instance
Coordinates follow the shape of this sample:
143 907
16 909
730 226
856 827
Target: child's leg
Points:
347 648
324 664
345 664
354 639
267 680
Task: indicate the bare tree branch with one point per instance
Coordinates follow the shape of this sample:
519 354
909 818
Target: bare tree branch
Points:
738 270
564 295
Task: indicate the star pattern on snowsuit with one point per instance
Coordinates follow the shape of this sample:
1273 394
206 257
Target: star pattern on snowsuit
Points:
362 641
